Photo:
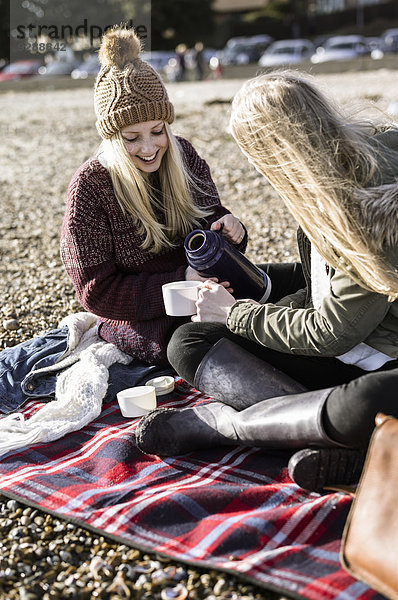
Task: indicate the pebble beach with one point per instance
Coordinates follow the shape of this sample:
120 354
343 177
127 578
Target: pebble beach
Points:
46 135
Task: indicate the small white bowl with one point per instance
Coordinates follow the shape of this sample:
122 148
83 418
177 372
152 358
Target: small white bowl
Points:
137 401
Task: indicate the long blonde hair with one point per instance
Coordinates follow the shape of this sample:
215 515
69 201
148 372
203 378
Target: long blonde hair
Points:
139 199
326 168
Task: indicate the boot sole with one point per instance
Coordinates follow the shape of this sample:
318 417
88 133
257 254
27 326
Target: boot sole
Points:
315 469
150 443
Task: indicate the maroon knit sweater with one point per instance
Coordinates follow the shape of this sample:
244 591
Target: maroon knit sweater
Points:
113 276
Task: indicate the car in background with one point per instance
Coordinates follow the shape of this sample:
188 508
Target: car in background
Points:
341 47
244 50
377 47
58 68
287 52
319 40
158 59
88 68
209 53
20 69
390 38
235 40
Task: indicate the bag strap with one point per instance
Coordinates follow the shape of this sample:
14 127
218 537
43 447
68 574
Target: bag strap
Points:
345 489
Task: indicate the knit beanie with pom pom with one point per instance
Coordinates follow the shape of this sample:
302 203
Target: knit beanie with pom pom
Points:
127 90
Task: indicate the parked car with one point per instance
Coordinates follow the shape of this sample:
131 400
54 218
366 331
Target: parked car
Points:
341 47
209 53
287 52
89 67
58 68
158 59
319 40
20 69
246 51
377 47
235 40
390 37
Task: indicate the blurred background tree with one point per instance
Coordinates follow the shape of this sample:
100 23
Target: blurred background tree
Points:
66 19
170 21
4 31
175 21
307 18
284 15
73 12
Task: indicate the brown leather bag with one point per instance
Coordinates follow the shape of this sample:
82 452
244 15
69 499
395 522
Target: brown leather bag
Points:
369 548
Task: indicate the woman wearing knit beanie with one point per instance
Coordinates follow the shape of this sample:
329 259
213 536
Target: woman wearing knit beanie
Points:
131 205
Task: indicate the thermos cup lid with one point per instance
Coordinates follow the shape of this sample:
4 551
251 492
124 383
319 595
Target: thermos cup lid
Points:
163 385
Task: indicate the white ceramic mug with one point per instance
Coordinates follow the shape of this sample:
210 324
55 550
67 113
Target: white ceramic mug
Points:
180 297
137 401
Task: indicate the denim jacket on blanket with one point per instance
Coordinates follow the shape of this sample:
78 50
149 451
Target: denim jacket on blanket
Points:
29 371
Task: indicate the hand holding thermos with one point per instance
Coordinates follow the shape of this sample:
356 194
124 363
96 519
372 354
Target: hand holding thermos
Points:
211 256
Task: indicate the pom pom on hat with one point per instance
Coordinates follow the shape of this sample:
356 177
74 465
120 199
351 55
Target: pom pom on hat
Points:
119 47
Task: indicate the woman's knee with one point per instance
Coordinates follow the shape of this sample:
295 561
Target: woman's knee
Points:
286 278
175 347
377 391
351 408
189 344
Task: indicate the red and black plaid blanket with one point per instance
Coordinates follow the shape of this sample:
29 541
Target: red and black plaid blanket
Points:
232 508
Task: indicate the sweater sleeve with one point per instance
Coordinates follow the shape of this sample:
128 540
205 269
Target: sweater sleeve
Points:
346 317
87 251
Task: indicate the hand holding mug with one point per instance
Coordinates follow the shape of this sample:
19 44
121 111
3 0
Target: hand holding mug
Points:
213 303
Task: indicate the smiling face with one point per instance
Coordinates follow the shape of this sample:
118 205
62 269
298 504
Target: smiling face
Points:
146 144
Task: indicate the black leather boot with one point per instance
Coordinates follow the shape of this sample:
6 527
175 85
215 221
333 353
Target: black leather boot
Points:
170 432
293 421
236 377
315 469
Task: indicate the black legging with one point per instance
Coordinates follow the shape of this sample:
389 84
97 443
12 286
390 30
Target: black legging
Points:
358 395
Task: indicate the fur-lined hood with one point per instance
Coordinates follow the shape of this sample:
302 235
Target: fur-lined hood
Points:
379 204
